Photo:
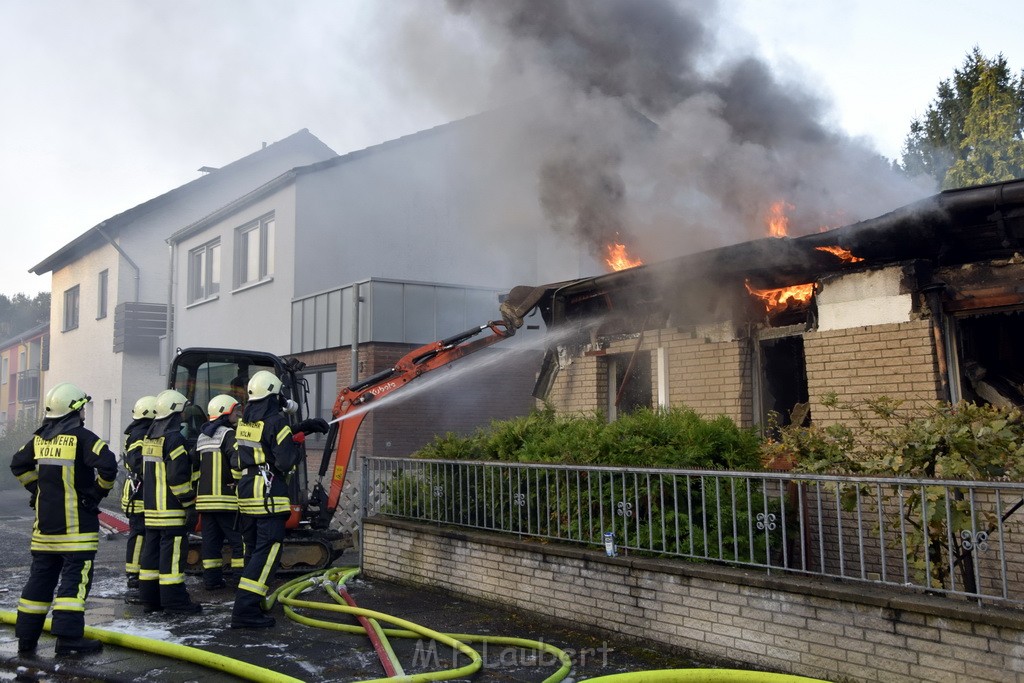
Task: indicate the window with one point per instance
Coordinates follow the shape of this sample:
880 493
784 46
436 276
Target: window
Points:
254 251
204 271
629 382
101 295
323 391
4 370
71 308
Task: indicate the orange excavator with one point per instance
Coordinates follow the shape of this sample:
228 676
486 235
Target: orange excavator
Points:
311 543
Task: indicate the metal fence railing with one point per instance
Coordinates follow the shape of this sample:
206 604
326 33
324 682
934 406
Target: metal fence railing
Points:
960 538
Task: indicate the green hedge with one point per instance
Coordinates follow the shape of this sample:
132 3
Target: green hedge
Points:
674 437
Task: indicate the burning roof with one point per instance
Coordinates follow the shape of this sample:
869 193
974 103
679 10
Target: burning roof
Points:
953 227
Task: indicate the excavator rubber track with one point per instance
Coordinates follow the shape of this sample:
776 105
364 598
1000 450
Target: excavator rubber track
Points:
303 551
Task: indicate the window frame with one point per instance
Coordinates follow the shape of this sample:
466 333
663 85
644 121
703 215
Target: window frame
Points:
207 289
265 227
72 296
102 286
5 368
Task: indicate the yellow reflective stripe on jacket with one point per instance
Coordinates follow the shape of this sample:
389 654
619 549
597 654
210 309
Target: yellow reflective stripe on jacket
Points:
103 483
264 506
70 500
285 432
164 518
28 477
98 447
64 543
177 453
181 489
216 503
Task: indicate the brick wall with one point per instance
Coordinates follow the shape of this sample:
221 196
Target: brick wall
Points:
896 360
582 387
789 624
712 377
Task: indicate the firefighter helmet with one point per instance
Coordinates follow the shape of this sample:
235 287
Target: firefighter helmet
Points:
221 405
65 398
145 408
263 384
169 402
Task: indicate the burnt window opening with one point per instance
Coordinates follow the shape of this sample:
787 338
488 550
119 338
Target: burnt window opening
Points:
630 387
784 382
989 358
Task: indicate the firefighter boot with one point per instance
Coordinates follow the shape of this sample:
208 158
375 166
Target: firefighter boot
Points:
70 646
175 598
149 596
213 579
247 612
27 646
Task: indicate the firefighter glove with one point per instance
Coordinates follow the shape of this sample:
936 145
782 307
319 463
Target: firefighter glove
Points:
191 518
91 498
33 490
314 425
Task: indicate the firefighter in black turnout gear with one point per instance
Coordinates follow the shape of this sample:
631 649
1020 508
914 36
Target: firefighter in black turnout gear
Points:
131 494
68 470
169 499
267 454
216 501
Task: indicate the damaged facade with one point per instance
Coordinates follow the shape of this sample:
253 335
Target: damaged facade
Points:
928 305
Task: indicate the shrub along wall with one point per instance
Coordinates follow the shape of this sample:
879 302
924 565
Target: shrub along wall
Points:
833 631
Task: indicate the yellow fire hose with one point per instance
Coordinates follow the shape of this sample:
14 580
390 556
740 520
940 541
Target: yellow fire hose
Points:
184 653
334 578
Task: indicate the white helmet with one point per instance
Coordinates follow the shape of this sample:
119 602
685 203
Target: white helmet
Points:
263 384
169 402
63 399
145 408
221 404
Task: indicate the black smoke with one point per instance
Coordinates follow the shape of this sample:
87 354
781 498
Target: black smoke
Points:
646 130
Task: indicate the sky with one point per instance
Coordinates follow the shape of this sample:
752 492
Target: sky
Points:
109 103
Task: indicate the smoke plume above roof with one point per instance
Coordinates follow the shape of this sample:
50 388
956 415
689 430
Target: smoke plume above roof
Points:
643 128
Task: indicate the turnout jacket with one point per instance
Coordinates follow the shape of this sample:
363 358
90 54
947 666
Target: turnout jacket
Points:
167 474
131 455
68 470
266 455
215 450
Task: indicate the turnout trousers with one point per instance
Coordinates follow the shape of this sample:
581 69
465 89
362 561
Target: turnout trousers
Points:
136 537
162 568
218 529
74 572
263 537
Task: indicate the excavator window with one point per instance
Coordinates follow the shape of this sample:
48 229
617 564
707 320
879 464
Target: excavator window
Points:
202 376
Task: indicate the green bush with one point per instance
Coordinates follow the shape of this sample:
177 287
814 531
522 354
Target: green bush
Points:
961 441
702 516
675 437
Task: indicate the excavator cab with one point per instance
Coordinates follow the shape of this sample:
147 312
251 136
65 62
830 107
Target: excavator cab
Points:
202 373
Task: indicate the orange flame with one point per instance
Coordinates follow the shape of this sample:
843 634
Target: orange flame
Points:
618 259
842 254
778 299
778 223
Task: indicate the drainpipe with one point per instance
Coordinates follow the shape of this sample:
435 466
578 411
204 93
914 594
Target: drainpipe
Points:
355 332
134 266
169 325
933 295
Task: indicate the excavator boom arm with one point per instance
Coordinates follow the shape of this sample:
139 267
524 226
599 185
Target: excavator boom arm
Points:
354 401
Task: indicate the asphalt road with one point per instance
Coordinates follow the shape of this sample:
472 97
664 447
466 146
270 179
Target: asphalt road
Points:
306 653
